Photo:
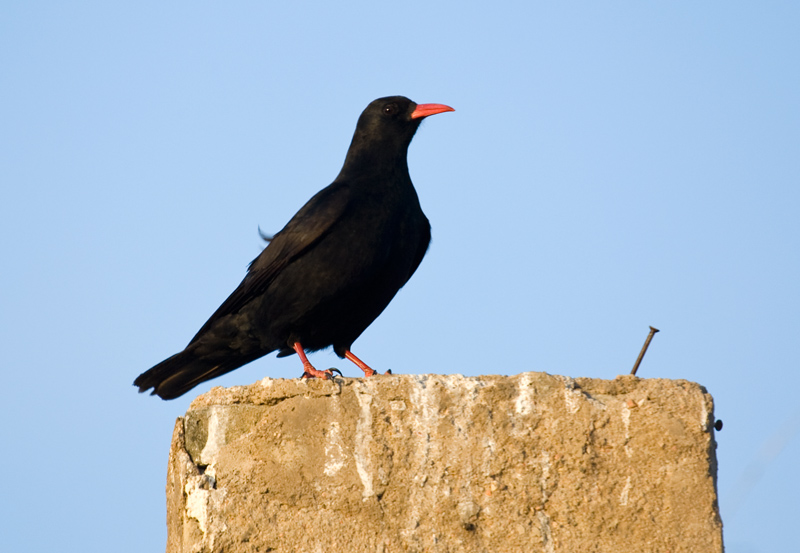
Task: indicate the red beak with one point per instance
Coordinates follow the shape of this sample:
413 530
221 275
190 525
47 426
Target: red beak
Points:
424 110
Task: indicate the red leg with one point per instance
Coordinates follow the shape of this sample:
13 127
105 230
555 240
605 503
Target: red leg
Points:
368 371
308 368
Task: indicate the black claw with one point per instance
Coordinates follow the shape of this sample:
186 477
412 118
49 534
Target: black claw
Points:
335 370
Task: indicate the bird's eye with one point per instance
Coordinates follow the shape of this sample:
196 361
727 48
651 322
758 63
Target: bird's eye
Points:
390 109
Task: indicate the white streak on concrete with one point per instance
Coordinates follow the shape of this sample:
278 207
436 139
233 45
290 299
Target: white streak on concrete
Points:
334 450
545 463
703 412
573 400
197 501
572 396
202 499
423 416
523 404
626 421
363 438
217 422
623 497
423 402
547 536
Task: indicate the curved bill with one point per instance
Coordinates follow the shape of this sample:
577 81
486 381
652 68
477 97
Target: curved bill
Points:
424 110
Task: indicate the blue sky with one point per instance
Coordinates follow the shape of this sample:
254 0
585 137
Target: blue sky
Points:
609 166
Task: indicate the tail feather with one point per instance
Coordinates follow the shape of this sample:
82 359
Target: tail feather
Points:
178 374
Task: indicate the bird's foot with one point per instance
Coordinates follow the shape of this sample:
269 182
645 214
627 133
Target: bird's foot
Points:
308 369
310 372
368 371
373 372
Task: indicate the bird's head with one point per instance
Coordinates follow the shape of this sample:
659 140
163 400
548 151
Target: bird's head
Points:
385 130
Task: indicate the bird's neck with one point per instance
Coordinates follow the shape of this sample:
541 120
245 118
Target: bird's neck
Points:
367 157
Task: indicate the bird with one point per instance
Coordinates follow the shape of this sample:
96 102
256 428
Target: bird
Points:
330 272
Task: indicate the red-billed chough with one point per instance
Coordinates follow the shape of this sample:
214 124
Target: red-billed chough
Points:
330 272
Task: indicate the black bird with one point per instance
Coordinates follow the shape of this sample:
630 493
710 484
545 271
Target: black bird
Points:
330 272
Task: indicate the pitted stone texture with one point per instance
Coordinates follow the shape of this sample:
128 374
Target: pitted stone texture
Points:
432 463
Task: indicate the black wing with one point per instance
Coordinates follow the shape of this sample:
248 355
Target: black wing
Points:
305 229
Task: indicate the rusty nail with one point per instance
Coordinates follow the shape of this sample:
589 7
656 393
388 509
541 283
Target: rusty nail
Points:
644 349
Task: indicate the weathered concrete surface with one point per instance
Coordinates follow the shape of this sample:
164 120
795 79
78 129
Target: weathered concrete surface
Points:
431 463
